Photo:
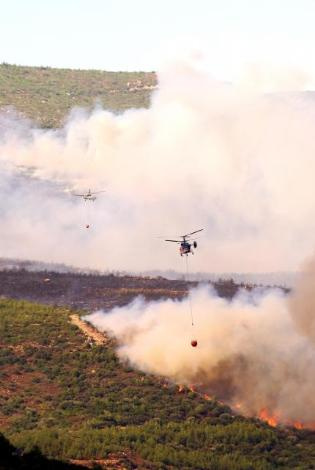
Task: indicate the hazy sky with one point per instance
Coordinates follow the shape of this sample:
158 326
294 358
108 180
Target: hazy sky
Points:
134 35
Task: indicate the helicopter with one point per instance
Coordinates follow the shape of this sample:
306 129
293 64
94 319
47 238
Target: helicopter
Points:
89 196
186 245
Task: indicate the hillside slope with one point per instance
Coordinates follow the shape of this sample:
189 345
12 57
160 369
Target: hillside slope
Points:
47 95
73 399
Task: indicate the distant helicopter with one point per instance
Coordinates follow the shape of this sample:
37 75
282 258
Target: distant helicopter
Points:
89 196
186 245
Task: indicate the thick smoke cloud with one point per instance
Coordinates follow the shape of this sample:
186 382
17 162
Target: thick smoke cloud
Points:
239 163
302 301
205 154
250 352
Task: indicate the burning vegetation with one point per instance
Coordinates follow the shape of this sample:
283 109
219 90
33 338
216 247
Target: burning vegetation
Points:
250 354
273 420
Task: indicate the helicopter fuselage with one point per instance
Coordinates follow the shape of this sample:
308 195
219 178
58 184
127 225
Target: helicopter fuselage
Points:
185 248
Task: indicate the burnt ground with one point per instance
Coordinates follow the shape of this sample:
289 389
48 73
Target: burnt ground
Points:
91 291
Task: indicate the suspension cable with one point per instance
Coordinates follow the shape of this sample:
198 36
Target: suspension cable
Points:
189 297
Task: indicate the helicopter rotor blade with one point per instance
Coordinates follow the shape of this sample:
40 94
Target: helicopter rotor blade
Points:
98 192
196 231
175 241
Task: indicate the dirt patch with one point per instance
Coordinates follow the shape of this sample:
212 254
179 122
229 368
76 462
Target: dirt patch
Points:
15 381
88 330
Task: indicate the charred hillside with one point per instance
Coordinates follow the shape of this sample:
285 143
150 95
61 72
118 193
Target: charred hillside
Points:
91 291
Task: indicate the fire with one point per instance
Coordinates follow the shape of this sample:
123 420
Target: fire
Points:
273 420
298 425
207 397
264 415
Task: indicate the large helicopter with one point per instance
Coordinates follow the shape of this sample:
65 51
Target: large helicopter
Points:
186 244
89 196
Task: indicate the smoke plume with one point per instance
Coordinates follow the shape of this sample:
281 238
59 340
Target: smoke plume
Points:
233 160
238 162
250 352
302 301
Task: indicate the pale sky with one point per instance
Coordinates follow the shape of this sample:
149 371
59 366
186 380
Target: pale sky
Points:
135 35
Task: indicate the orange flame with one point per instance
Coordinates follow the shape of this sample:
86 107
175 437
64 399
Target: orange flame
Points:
298 425
271 417
207 397
274 420
264 415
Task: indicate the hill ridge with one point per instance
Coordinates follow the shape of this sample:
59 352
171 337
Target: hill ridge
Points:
46 95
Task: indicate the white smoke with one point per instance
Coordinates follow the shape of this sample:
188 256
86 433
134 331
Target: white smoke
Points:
239 163
205 154
249 351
